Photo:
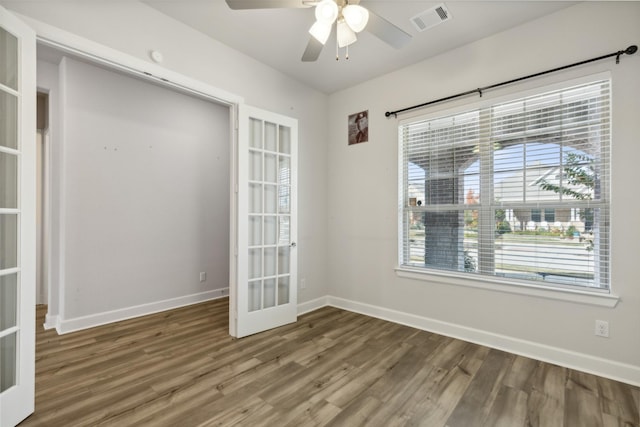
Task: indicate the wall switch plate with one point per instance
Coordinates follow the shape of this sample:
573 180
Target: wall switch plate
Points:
303 283
602 328
203 276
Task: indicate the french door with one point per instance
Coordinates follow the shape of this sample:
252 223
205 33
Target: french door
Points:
266 223
17 219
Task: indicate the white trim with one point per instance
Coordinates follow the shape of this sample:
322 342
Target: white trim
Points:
314 304
617 371
9 150
512 287
9 271
62 194
9 90
51 322
46 210
65 326
9 331
74 44
233 220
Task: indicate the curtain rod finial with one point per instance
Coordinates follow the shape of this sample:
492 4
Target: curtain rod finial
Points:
631 50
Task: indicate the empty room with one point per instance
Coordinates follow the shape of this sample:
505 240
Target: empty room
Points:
288 212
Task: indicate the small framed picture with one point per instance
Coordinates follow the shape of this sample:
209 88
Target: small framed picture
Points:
359 127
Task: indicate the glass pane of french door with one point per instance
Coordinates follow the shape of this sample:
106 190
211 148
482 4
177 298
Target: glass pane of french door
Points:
8 321
269 214
9 65
8 203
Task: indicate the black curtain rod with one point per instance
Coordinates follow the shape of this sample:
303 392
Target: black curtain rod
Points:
629 51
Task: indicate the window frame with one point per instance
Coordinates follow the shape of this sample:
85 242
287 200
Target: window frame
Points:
588 295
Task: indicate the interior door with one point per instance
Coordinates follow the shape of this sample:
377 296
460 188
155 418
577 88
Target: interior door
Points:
266 223
17 219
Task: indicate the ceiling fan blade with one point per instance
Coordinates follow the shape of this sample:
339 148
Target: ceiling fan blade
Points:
267 4
386 31
313 50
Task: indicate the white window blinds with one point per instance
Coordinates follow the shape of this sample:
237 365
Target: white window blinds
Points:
518 189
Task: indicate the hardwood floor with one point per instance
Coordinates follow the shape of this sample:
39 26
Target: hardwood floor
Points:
333 367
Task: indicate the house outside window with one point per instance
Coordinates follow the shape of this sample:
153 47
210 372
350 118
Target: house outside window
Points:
515 190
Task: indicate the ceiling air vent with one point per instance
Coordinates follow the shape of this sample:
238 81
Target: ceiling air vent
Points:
430 18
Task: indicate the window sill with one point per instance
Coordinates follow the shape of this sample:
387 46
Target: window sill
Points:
512 287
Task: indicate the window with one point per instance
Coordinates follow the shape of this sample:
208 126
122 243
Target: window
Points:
516 190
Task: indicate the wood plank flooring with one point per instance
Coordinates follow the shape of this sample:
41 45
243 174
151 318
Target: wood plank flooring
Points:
331 368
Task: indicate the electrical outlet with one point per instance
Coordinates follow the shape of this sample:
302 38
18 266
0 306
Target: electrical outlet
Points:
303 283
203 276
602 328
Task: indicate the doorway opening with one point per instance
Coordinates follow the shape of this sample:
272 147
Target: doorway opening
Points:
133 196
42 193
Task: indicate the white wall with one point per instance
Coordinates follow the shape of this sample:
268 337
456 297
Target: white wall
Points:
362 208
134 29
146 189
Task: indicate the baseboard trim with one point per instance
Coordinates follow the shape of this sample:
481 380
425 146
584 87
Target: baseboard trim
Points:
65 326
50 322
314 304
617 371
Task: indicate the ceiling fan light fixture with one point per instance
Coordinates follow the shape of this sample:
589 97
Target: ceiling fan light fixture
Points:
326 11
345 34
320 31
356 16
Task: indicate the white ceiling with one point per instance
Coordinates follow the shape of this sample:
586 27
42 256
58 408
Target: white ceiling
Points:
277 37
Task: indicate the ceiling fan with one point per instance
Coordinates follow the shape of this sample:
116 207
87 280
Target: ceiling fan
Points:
350 18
